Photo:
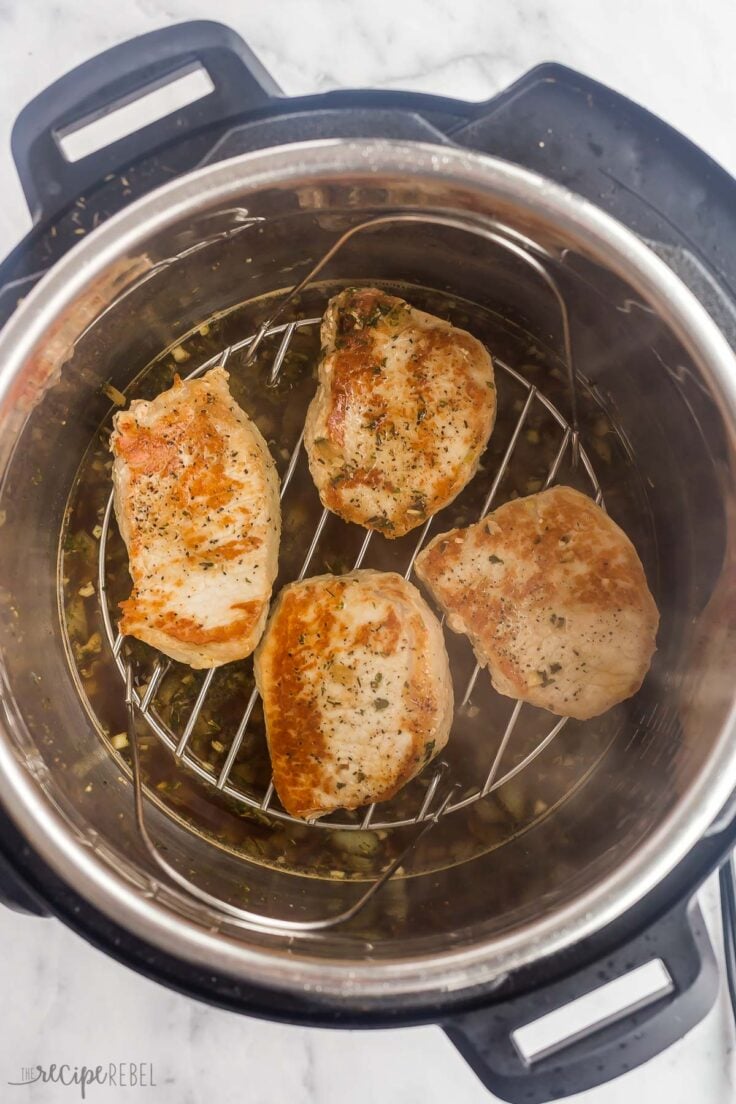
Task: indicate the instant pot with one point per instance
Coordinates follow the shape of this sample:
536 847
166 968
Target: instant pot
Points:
168 246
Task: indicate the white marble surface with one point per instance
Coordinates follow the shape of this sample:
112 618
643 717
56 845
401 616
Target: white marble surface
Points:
62 1000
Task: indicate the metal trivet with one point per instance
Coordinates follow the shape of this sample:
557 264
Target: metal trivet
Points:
144 700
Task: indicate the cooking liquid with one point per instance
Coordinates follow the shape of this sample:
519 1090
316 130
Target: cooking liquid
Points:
279 413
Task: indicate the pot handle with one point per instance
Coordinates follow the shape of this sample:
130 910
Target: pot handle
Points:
618 1043
118 77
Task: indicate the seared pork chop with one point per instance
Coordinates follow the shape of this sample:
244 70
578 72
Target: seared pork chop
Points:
356 690
405 406
554 599
197 503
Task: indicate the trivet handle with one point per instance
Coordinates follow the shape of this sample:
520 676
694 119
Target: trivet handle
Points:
620 1043
118 77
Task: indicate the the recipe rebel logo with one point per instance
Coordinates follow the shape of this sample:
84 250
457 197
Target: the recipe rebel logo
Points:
123 1075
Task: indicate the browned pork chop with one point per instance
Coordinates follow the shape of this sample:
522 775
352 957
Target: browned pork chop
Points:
554 599
405 406
356 690
197 503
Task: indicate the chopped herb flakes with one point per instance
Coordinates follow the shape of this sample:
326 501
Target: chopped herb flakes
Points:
380 521
114 395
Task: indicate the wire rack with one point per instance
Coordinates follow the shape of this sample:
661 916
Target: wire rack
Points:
178 742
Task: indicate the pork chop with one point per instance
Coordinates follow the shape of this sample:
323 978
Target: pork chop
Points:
197 504
553 598
356 690
404 409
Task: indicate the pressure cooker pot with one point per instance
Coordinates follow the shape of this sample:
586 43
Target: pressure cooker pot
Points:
557 842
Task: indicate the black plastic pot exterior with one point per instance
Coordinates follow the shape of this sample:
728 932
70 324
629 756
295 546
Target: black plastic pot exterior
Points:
569 129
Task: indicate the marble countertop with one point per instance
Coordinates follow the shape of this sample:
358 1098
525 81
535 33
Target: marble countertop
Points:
63 1001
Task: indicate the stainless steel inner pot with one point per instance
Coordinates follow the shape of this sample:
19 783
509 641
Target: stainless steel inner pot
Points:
651 363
